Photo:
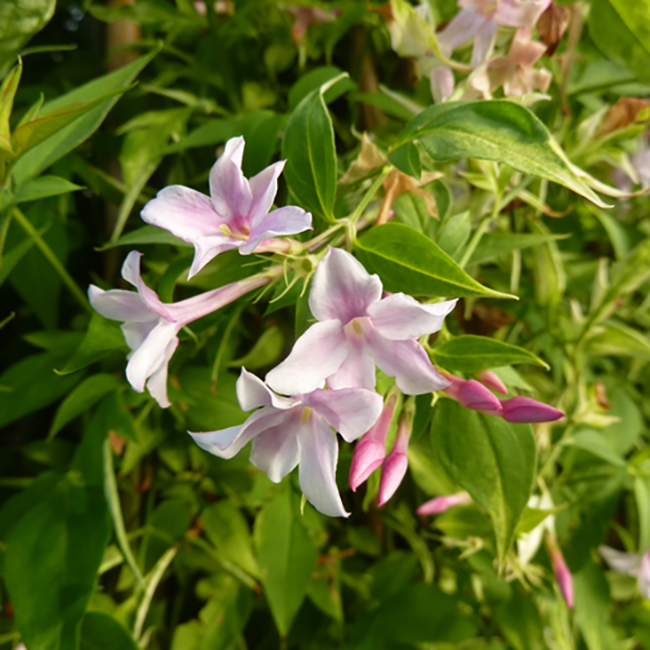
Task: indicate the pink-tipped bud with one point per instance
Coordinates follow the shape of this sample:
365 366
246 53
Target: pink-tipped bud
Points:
527 410
443 503
392 474
473 395
491 380
396 463
370 451
563 576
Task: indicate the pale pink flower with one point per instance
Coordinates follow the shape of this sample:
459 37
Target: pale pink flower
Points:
370 451
481 19
290 431
356 329
443 503
630 563
236 215
491 380
150 326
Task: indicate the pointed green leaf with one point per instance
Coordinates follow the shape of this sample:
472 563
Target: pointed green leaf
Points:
43 187
407 261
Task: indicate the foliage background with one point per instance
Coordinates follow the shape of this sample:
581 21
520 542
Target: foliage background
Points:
118 532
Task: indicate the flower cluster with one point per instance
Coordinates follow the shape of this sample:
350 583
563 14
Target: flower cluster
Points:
327 382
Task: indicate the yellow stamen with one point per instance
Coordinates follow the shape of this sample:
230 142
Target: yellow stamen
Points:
235 235
306 412
357 327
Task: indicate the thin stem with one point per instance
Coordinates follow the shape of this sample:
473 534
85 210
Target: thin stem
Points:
222 349
367 197
54 261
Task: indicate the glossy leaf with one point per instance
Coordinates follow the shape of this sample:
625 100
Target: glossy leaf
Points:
43 187
407 261
489 458
475 353
53 553
492 244
85 395
102 632
286 556
493 130
39 158
309 148
19 21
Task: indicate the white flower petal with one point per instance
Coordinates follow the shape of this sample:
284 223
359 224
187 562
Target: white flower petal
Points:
227 443
275 451
316 355
252 393
289 220
358 369
319 450
400 317
229 189
342 288
351 411
264 187
408 363
150 356
117 304
157 384
484 42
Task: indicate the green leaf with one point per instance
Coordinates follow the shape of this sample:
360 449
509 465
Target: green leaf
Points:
227 529
102 632
19 21
87 393
407 261
103 336
621 30
316 78
53 554
492 244
617 339
407 160
44 186
489 458
308 146
210 133
265 352
30 385
286 557
39 158
7 95
475 353
493 130
593 441
48 123
147 235
642 496
533 517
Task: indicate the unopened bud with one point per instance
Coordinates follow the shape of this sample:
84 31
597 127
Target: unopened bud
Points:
473 395
443 503
563 576
527 410
396 463
491 380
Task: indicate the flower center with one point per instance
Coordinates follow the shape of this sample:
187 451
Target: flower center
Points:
306 412
356 326
241 233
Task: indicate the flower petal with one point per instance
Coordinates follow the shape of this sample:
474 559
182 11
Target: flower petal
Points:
620 561
252 393
319 450
131 273
289 220
184 212
157 384
275 451
230 191
117 304
150 356
264 187
408 363
358 369
342 288
484 42
316 355
520 13
135 333
400 317
462 28
227 443
351 411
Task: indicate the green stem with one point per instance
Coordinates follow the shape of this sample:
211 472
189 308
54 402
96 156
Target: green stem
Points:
113 498
222 348
54 261
367 197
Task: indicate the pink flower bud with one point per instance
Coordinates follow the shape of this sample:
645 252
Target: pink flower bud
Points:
396 463
370 451
527 410
491 380
473 395
563 576
443 503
